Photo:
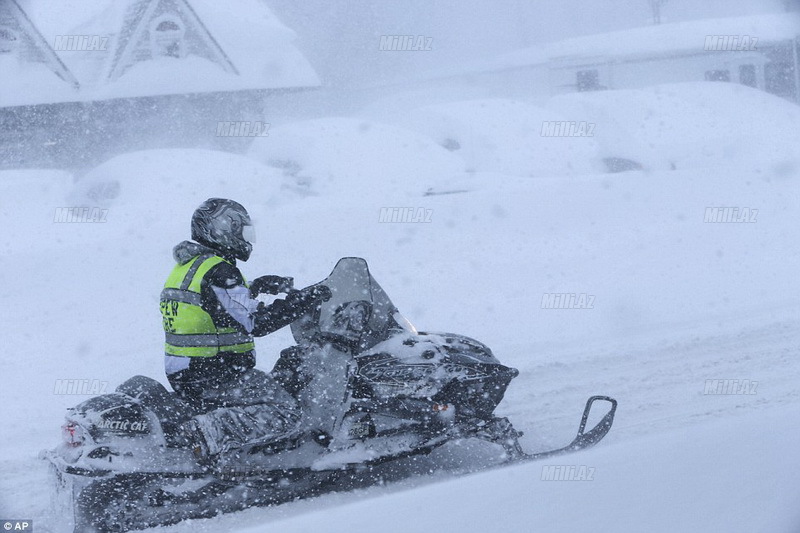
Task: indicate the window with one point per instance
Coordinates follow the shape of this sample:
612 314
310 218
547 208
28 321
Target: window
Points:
168 25
588 80
779 78
747 75
166 37
8 40
718 75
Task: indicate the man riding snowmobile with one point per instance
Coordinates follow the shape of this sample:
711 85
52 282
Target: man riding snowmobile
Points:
210 317
374 393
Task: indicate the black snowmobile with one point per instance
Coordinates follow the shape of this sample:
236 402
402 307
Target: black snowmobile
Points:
375 393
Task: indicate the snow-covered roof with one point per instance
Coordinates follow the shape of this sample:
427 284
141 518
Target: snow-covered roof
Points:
685 36
26 58
156 47
664 39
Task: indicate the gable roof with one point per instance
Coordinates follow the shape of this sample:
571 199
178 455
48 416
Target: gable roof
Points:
33 48
223 47
138 26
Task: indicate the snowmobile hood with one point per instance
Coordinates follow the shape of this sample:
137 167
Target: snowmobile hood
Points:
186 250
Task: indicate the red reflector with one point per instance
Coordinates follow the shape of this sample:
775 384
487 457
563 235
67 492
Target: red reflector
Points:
72 434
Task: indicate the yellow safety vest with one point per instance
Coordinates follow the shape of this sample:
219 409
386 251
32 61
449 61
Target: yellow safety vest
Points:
189 329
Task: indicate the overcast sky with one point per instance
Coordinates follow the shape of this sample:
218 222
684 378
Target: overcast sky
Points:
342 38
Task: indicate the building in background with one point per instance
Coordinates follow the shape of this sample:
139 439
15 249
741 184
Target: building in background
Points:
140 74
760 51
26 58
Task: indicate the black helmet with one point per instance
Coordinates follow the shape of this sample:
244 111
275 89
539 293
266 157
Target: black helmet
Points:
225 226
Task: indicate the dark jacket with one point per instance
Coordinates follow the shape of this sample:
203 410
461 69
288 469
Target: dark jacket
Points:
199 373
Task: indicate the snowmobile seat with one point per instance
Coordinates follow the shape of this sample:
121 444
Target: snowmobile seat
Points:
170 410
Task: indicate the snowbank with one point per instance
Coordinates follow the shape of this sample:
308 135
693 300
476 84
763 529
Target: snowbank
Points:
692 125
335 157
81 302
718 477
150 193
27 209
506 136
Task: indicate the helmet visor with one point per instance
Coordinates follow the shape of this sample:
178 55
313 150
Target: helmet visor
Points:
249 233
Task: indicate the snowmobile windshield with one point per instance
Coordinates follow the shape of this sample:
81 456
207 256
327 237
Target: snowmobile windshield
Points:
359 313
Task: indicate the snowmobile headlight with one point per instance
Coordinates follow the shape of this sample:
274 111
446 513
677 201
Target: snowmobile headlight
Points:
73 434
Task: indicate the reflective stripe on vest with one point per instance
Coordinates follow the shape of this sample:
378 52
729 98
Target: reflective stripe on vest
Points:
207 339
189 329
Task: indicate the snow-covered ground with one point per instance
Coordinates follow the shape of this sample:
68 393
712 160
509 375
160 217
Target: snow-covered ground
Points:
675 301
